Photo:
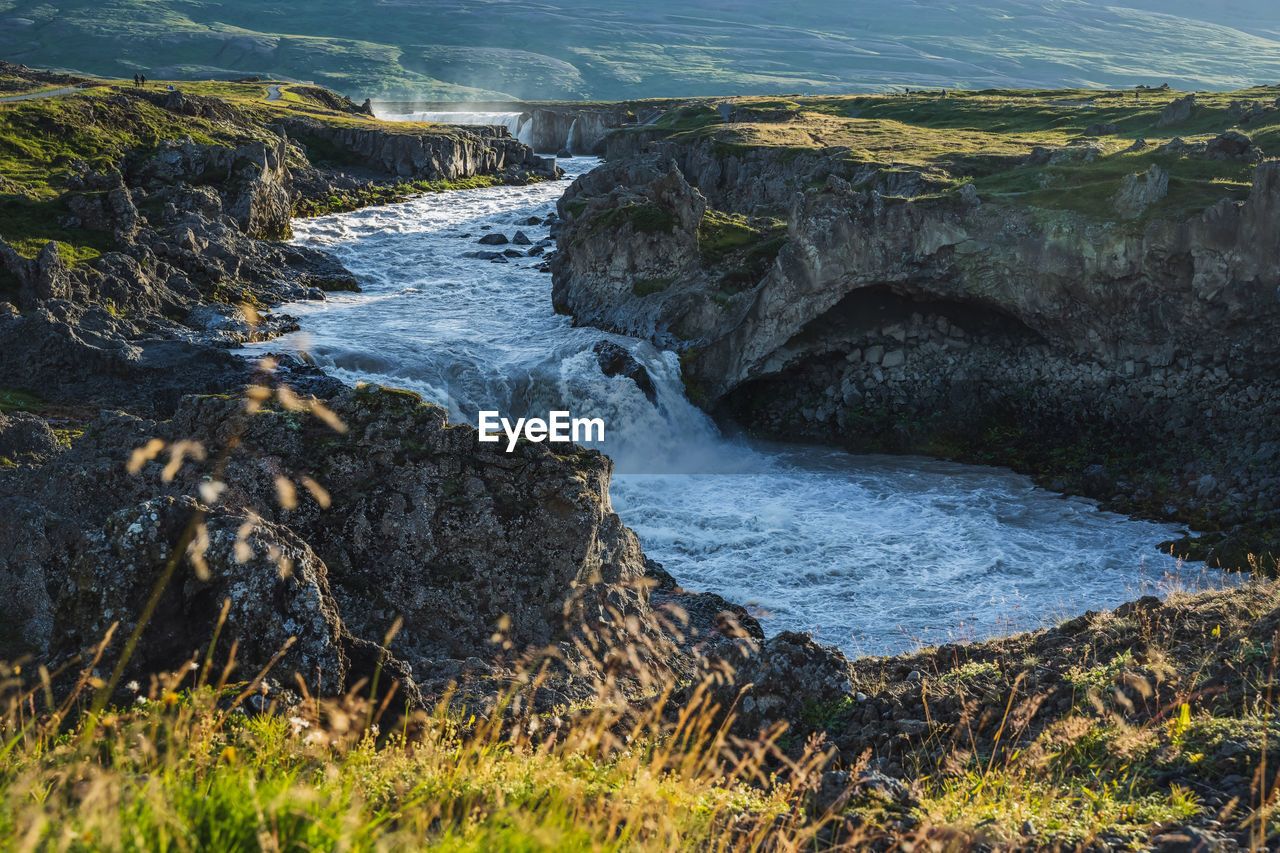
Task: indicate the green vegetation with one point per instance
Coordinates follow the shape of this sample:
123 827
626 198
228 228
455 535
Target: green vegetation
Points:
1114 724
643 218
355 199
1168 720
43 142
650 219
19 401
948 140
741 246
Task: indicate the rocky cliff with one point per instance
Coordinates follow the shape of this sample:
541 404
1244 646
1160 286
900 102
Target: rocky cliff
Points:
327 529
557 127
1131 358
416 522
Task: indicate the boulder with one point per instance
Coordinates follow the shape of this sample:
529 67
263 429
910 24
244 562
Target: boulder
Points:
1140 191
763 690
25 436
70 352
615 360
494 239
277 587
1177 111
1230 146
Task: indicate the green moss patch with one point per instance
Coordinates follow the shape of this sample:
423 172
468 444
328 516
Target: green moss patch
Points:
19 401
741 246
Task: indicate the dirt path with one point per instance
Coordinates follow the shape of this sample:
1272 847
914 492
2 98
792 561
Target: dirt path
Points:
273 93
31 96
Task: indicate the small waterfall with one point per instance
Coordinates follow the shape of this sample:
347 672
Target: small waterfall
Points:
569 140
511 121
525 132
520 125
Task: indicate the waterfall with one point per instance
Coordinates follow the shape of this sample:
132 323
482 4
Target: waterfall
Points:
511 121
868 552
568 142
516 124
525 132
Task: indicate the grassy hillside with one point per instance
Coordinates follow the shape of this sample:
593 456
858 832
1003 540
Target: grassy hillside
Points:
576 48
953 138
42 139
1152 723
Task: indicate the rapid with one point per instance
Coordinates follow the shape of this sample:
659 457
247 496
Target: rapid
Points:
874 554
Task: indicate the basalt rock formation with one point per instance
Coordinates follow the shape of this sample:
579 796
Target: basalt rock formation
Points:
885 314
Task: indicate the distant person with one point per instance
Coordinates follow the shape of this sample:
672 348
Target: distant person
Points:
171 89
136 81
142 80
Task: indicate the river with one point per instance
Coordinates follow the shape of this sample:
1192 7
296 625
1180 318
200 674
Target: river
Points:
875 554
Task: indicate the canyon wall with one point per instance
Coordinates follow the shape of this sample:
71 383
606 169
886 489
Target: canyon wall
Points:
897 317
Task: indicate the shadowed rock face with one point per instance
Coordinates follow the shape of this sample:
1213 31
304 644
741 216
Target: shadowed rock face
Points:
1202 286
460 153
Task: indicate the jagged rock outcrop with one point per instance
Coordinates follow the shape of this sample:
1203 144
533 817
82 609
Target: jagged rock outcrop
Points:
762 691
754 179
418 522
462 152
1140 191
1091 288
276 585
253 180
419 525
72 352
654 214
1177 111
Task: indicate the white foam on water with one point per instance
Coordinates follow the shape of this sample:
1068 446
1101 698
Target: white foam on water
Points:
872 553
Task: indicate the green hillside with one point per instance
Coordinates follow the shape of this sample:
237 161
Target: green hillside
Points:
462 49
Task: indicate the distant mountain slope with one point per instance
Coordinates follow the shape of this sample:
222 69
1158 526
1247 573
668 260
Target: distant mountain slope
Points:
610 49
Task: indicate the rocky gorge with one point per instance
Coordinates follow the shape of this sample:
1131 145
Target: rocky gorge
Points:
1126 354
150 475
129 354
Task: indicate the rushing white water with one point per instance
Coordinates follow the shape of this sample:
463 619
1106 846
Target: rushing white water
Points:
871 553
520 128
571 142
